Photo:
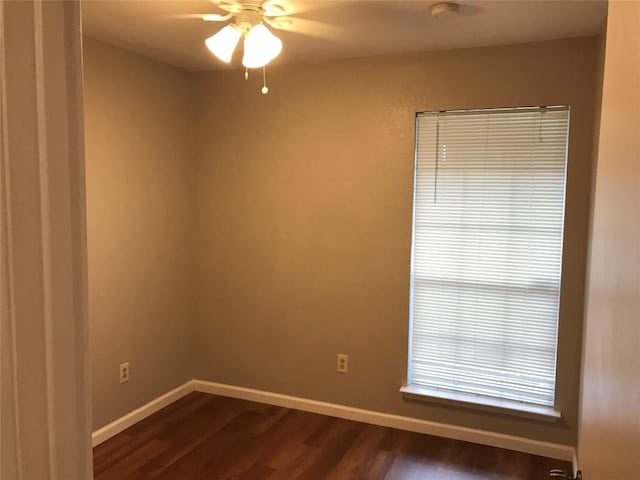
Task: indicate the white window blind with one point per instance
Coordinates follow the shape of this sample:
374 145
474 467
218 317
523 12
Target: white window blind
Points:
487 252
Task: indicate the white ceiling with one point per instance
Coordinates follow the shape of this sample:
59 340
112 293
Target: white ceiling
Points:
172 31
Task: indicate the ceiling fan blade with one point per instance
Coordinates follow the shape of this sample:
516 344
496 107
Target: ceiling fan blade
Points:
215 17
184 16
310 28
273 9
227 5
281 23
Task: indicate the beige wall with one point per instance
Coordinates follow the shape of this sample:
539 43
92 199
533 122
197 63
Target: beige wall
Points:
138 121
610 420
304 219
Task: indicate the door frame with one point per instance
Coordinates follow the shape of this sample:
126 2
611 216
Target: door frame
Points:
45 412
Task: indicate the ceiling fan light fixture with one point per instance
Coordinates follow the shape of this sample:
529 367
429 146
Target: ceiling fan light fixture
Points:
223 43
260 47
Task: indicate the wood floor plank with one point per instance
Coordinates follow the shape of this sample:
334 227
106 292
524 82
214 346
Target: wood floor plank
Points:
360 457
207 437
188 435
127 467
330 450
287 439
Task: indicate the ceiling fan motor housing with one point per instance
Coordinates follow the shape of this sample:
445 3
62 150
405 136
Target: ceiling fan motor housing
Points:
248 17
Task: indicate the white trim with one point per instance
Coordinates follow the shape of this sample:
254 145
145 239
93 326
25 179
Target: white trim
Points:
477 402
574 463
43 275
7 296
509 442
105 433
45 232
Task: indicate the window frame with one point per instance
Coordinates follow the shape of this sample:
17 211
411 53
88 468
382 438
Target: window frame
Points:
476 401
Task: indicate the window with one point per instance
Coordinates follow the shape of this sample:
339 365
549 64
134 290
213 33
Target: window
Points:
487 255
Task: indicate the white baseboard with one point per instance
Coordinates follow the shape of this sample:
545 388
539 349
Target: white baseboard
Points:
509 442
105 433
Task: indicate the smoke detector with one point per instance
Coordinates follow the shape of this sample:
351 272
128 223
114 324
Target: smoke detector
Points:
448 9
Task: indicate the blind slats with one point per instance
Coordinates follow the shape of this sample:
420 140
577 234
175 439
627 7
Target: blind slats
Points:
487 252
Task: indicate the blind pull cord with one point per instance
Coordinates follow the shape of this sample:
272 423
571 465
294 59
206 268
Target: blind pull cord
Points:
435 176
542 111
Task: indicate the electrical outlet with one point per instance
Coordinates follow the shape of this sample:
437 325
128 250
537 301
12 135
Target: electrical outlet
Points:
124 372
343 363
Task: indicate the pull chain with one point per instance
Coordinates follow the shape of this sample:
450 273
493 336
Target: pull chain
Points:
246 73
265 89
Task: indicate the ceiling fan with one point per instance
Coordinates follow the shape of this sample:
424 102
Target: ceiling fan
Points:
270 9
247 19
253 21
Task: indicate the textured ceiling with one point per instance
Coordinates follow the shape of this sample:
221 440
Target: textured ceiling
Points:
173 32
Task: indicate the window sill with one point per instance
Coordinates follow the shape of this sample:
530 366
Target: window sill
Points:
509 407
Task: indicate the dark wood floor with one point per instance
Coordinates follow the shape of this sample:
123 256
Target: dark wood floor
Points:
209 437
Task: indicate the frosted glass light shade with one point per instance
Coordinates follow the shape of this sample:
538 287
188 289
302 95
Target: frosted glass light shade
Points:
223 43
260 47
